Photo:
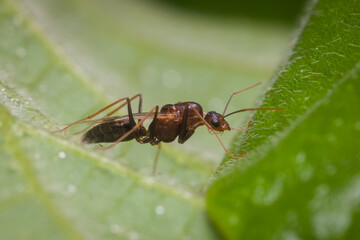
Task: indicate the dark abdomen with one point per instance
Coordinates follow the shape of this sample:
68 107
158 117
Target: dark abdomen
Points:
108 132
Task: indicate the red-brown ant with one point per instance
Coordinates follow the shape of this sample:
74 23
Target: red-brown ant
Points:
174 120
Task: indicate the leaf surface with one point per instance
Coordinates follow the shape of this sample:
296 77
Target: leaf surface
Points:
301 177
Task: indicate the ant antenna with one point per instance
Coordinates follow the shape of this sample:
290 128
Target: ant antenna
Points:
227 104
254 109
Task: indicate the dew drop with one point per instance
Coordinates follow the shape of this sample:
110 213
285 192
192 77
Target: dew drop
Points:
306 173
331 138
300 158
149 180
37 156
339 122
187 195
133 235
160 210
62 155
357 126
116 229
71 189
15 100
233 220
290 235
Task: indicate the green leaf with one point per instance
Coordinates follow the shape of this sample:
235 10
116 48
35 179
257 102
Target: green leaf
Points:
61 61
300 179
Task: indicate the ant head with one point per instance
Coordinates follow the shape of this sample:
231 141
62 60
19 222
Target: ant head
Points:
217 121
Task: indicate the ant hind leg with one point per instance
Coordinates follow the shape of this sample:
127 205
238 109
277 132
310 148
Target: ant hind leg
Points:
103 109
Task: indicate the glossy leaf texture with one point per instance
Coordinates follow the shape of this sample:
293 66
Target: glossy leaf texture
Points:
62 60
300 179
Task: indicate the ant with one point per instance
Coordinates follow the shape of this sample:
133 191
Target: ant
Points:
172 121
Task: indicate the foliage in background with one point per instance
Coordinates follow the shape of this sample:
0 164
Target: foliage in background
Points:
281 11
301 177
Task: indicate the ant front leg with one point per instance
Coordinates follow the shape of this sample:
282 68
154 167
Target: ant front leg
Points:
244 129
212 130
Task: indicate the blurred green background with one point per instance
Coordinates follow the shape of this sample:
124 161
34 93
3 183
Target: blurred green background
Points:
281 11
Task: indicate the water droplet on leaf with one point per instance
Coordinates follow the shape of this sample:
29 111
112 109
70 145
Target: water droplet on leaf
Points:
160 210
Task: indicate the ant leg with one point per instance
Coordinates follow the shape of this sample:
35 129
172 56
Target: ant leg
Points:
122 105
184 133
242 90
152 125
244 129
133 129
102 110
156 159
150 138
209 127
153 141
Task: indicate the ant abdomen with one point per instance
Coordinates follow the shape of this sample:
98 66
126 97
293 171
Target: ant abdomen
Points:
108 132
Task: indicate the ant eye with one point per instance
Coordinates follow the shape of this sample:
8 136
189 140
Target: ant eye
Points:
215 122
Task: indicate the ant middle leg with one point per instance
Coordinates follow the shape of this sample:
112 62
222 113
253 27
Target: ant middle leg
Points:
185 133
156 159
152 140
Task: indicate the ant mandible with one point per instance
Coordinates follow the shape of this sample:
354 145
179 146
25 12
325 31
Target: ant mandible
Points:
174 120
